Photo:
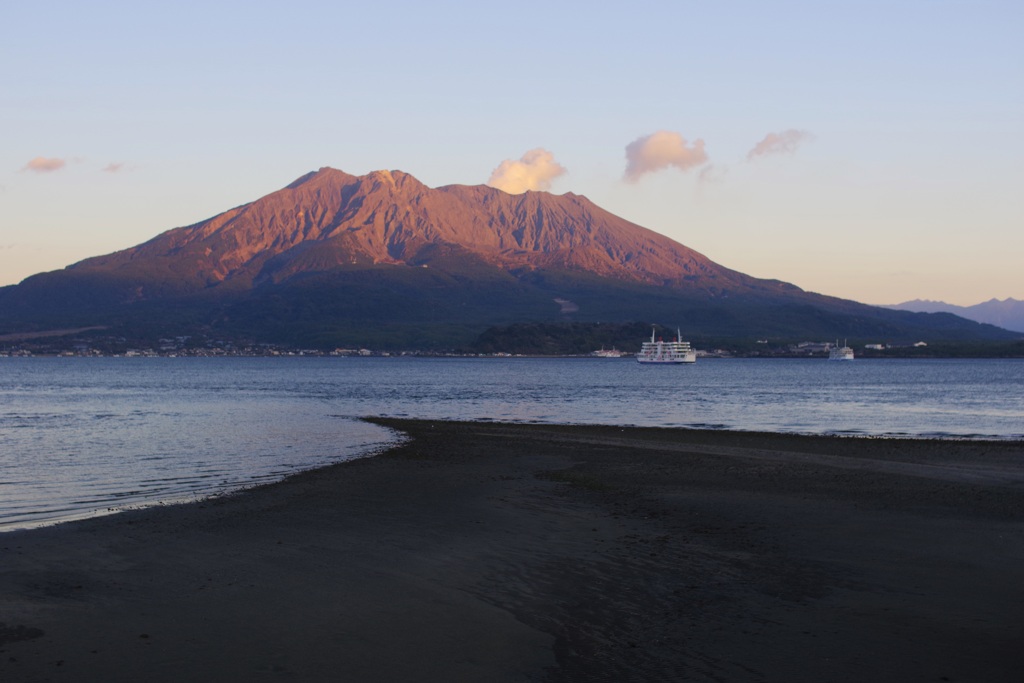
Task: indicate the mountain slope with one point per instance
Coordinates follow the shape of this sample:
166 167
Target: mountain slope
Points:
329 219
340 259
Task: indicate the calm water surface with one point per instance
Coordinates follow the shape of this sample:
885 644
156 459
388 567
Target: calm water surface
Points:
84 435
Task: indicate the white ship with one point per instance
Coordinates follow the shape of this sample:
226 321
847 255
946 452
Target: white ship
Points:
838 352
672 352
607 353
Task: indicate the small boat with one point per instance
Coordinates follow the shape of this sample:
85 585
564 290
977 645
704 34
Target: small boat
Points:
838 352
666 352
607 353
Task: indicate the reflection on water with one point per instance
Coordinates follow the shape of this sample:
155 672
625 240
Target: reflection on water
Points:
78 435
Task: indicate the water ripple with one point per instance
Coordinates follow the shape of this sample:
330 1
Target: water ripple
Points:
91 435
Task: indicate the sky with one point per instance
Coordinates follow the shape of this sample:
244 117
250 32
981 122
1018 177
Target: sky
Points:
872 151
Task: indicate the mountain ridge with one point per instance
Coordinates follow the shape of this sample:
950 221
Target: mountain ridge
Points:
332 258
385 216
389 217
1008 313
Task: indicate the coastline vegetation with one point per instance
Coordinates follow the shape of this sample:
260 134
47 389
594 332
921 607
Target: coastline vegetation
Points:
565 339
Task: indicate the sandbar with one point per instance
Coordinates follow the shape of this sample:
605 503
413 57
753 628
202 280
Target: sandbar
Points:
480 551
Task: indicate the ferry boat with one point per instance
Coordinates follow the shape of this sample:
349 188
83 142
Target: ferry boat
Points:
607 353
838 352
672 352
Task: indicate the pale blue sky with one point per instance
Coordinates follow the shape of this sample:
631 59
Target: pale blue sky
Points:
905 181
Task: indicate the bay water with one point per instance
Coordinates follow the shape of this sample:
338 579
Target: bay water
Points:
86 436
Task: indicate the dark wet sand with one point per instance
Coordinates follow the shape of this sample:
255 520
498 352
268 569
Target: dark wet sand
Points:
487 552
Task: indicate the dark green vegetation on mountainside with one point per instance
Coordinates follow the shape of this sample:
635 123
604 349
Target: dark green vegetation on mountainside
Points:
385 262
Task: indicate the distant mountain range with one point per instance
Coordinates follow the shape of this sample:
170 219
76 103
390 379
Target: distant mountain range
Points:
382 260
1008 313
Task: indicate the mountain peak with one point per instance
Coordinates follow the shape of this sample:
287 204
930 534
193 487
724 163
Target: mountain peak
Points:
1008 314
333 251
325 173
328 218
383 176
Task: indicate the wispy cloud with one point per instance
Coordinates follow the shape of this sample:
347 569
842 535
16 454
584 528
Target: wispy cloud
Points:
712 174
113 167
44 165
660 150
785 142
534 171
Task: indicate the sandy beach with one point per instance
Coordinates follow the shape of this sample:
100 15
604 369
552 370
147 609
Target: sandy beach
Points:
496 552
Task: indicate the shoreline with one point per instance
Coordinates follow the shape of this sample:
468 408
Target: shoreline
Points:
416 354
534 552
694 435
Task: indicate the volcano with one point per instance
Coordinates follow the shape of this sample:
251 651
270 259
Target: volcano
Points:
336 259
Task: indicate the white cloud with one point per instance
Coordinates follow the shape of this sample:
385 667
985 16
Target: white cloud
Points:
535 171
44 165
785 142
660 150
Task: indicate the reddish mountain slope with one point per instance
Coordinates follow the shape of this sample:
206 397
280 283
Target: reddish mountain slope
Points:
333 258
331 219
